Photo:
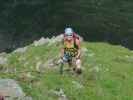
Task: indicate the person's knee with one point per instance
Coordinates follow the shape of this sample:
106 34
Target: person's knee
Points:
78 62
78 66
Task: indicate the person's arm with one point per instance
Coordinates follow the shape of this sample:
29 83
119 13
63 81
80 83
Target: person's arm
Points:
79 51
62 52
62 49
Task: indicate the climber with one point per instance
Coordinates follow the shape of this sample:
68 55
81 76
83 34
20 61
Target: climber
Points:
70 53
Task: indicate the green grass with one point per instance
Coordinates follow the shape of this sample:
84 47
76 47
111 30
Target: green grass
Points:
107 73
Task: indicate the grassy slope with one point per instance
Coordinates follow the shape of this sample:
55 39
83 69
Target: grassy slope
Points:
107 73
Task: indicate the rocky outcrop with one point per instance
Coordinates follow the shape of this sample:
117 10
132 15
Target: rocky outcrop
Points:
10 89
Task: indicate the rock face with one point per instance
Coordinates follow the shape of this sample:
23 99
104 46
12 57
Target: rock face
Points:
3 60
10 90
42 41
21 50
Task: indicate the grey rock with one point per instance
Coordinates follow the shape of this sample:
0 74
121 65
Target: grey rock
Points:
27 98
10 89
56 39
39 66
9 69
42 41
62 95
3 60
3 54
21 50
50 63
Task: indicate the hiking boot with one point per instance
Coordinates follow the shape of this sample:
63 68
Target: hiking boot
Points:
78 71
74 69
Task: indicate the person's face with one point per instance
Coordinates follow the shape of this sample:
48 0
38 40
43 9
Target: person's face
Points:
69 38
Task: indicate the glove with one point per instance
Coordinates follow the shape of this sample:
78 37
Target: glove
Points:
60 60
77 57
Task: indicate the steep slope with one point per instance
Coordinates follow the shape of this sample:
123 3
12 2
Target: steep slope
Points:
107 72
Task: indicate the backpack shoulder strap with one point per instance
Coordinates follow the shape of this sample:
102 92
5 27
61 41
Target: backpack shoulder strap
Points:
75 37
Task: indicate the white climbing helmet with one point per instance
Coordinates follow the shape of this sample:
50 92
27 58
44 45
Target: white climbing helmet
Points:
68 31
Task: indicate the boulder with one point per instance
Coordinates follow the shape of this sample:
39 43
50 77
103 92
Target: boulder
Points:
3 60
21 50
10 89
42 41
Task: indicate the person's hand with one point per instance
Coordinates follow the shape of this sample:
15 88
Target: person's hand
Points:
61 57
60 60
77 57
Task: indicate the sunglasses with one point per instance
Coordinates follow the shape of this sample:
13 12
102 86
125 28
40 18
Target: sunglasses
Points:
69 35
